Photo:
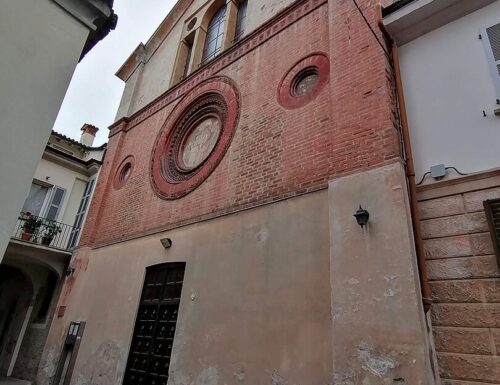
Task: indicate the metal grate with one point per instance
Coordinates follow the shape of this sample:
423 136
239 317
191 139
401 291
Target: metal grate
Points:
492 209
153 338
43 231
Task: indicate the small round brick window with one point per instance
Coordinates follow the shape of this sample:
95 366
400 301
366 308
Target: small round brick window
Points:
123 172
195 138
304 81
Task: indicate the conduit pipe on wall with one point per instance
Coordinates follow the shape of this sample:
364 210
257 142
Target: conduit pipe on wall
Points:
410 173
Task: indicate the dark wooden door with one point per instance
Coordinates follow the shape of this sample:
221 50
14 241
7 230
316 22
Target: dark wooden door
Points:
149 357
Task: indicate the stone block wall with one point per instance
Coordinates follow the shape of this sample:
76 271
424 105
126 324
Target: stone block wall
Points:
465 280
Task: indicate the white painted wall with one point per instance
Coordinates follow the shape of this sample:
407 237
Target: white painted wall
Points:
40 45
447 84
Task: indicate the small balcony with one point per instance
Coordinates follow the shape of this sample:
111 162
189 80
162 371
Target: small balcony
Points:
45 232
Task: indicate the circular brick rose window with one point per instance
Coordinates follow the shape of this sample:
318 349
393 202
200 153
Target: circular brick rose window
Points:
304 81
194 138
123 172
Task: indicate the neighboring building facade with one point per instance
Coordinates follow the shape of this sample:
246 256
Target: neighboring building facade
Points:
450 65
41 42
222 247
38 255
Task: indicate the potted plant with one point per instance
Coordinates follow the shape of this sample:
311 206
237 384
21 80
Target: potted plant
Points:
30 227
51 229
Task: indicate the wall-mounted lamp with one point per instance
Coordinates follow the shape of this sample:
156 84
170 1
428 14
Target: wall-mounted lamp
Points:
166 243
362 216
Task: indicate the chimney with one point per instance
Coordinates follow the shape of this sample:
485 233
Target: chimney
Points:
88 134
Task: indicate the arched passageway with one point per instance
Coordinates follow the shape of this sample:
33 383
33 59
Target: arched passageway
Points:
16 293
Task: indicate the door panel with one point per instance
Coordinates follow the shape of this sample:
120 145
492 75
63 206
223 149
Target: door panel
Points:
152 341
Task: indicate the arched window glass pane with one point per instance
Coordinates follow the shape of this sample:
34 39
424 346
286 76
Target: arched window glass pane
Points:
215 35
241 20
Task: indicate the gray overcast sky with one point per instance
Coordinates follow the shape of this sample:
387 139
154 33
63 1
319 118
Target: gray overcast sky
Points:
95 92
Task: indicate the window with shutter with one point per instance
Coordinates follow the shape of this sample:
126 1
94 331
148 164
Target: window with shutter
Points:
82 211
492 39
36 199
55 203
492 209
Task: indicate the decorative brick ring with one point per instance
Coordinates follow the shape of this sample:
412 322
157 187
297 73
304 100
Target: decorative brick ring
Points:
123 172
304 81
195 138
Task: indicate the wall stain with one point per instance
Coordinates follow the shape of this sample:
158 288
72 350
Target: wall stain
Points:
377 364
48 367
240 374
102 367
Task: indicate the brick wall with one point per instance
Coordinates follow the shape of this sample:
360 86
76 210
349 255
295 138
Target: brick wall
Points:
465 281
275 152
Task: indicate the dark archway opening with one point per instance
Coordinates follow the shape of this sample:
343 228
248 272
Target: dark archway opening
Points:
16 292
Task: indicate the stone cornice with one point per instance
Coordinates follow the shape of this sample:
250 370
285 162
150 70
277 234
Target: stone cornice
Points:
265 32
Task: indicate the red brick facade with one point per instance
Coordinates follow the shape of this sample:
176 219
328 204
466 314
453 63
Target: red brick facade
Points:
276 152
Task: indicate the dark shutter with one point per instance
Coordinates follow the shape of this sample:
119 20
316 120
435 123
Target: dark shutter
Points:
55 203
492 209
494 38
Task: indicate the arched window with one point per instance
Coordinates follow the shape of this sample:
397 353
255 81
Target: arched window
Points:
241 20
215 35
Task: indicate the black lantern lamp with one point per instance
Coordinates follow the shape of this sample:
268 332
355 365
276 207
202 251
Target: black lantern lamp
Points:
166 243
362 216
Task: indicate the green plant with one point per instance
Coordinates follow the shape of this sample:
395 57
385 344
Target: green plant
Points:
31 223
51 229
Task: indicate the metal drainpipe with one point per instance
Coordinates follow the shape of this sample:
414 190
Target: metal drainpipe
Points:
410 174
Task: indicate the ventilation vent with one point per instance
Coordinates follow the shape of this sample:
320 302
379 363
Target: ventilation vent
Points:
492 209
494 38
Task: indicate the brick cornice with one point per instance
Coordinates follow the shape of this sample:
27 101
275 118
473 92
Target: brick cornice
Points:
265 32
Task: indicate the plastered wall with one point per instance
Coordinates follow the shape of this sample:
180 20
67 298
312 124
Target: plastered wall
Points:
255 300
40 45
72 181
448 84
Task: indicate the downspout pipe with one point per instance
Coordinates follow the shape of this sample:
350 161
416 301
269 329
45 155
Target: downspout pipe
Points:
410 173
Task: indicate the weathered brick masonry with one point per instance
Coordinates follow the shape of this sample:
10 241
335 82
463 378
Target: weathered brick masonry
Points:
276 153
465 280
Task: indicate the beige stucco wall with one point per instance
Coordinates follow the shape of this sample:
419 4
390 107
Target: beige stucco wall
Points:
154 77
72 181
380 333
40 45
255 302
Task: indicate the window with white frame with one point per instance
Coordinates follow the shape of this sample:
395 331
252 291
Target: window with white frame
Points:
35 200
82 211
55 203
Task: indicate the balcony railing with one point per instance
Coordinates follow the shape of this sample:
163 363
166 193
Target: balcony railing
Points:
44 232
